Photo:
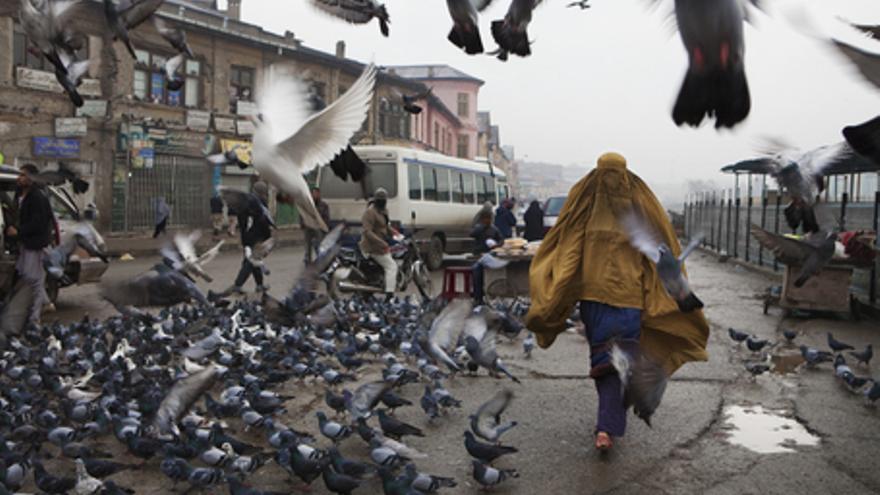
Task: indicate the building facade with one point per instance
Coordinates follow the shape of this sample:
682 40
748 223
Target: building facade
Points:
137 142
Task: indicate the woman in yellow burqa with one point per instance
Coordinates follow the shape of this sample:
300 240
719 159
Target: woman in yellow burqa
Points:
587 260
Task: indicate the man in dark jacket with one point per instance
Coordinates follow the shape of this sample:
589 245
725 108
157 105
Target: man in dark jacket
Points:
505 220
35 223
486 237
256 229
534 219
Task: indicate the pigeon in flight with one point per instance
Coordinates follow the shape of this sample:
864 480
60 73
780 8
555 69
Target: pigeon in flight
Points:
127 15
812 253
289 142
173 80
864 138
71 77
715 83
356 11
582 4
669 267
867 63
228 158
47 24
511 32
175 37
487 422
410 101
61 176
465 32
643 379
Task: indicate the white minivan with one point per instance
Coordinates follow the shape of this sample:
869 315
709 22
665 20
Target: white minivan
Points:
436 194
82 269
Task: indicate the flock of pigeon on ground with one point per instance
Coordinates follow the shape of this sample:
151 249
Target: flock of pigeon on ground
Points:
199 393
812 357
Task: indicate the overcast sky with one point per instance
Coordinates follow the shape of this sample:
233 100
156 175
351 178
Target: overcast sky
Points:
606 78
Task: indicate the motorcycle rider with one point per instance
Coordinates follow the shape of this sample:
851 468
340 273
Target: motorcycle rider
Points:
375 236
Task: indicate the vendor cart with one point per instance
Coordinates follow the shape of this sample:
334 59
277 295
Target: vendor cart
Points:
512 280
828 291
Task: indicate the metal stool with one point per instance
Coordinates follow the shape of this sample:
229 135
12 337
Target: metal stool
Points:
450 282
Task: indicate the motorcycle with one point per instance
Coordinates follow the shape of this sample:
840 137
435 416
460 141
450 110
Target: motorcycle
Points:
351 271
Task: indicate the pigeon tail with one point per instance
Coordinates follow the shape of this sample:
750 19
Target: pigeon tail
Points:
690 303
511 40
724 94
468 40
865 138
384 19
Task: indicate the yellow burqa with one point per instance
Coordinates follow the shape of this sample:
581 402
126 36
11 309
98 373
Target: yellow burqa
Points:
587 256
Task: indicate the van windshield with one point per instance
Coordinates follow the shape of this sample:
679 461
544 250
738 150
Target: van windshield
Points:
554 206
381 174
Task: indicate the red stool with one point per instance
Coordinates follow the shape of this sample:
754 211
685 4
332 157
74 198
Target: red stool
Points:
450 282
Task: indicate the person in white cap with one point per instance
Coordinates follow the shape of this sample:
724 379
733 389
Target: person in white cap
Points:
374 238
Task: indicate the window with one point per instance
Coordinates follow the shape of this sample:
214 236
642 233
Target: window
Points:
429 184
486 189
241 85
382 174
150 83
436 135
463 105
23 57
393 120
442 175
468 182
463 145
415 181
457 188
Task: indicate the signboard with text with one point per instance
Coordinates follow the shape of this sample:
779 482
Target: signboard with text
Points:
50 147
93 108
246 108
224 124
245 128
71 127
46 81
198 120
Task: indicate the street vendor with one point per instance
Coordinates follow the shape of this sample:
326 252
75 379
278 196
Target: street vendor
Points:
587 260
486 237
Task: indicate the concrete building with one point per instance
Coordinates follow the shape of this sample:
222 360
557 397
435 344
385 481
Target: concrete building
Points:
136 141
457 91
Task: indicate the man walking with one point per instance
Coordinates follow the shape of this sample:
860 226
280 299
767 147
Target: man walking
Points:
314 236
505 220
35 223
374 239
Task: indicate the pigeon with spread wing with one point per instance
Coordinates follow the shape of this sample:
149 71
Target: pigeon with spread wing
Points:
127 15
669 267
465 32
811 254
289 142
356 11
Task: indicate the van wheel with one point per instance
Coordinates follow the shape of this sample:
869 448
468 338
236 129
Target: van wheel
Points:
434 258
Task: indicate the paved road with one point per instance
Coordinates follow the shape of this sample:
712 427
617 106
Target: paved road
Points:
690 448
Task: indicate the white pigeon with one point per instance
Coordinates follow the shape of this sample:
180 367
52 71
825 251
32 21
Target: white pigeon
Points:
85 484
290 141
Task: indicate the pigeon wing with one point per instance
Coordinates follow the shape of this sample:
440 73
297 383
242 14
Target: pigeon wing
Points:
640 236
209 255
367 395
345 10
489 414
867 63
786 249
235 199
135 13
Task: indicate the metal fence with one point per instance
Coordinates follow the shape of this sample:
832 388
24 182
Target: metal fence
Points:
724 220
184 183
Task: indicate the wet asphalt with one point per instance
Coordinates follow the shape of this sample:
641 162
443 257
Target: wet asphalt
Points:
687 450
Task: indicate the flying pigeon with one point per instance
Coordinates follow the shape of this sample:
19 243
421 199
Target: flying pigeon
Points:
356 11
511 32
812 253
486 423
127 15
669 267
290 142
465 32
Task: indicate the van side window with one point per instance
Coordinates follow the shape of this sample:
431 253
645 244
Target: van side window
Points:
469 188
429 184
457 187
442 184
482 192
415 181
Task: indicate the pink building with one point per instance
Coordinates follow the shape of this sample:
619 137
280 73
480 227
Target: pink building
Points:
451 127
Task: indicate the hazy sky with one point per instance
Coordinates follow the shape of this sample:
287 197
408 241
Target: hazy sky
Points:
606 78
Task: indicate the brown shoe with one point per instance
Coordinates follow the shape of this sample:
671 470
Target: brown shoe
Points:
603 442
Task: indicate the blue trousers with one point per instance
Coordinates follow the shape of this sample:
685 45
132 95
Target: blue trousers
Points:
606 324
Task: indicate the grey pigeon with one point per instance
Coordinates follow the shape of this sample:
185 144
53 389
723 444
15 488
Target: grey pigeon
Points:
361 403
864 138
181 398
485 452
511 32
669 267
127 15
445 331
331 429
356 11
486 423
489 476
814 357
465 32
812 254
643 379
426 483
838 346
175 37
864 356
715 83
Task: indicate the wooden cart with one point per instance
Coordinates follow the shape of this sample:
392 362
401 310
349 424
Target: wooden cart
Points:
826 291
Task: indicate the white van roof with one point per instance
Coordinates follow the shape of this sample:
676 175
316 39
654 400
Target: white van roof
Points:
379 152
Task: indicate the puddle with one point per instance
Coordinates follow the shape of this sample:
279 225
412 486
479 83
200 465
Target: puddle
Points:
765 431
784 364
